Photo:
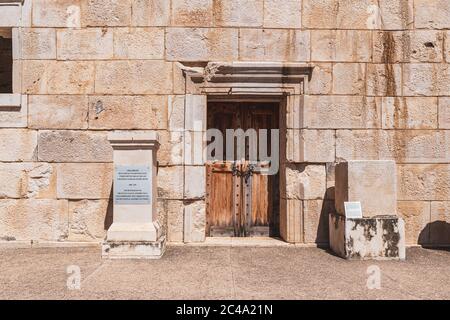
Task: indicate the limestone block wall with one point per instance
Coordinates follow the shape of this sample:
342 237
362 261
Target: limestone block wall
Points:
380 89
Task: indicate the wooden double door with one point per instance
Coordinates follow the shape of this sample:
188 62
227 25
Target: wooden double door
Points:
242 200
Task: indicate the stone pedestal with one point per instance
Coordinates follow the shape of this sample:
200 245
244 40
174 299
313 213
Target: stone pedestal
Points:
379 233
135 231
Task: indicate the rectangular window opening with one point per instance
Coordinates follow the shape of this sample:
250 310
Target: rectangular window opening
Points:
6 61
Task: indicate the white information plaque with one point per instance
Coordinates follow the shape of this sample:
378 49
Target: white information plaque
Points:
353 210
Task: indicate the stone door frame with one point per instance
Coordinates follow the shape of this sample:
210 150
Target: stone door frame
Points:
285 83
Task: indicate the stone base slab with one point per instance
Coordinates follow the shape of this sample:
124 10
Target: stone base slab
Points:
134 249
380 237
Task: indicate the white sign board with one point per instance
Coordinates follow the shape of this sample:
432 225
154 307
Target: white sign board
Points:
353 210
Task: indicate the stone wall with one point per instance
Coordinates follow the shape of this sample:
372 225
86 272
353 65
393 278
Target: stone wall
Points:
380 89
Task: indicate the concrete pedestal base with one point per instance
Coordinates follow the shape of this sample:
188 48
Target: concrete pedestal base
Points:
380 237
134 249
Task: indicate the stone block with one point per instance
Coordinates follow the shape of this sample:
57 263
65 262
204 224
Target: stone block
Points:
373 183
201 44
396 14
38 43
15 117
426 79
176 113
238 13
349 78
315 220
440 223
331 177
195 221
384 79
305 181
147 13
128 112
333 112
33 219
174 210
341 45
310 145
57 77
89 219
274 45
282 14
85 44
416 215
424 182
27 180
409 113
195 182
93 180
170 182
99 13
18 145
404 146
74 146
408 46
292 228
133 77
321 79
139 43
444 113
57 112
195 114
340 14
432 14
368 238
56 13
192 13
171 150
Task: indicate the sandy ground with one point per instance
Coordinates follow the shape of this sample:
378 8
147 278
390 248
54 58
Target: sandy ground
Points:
187 272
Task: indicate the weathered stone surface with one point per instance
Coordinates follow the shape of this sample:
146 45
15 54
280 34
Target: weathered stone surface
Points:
331 112
417 217
85 44
310 145
440 223
405 146
192 13
195 114
373 183
93 180
291 226
15 117
57 77
56 13
282 14
195 221
331 175
274 45
99 13
349 78
139 43
89 219
74 146
321 79
133 77
203 44
315 217
238 13
384 79
195 182
424 182
409 113
408 46
171 150
432 14
57 112
127 112
32 219
344 14
150 13
305 181
341 45
27 180
444 113
396 14
447 46
426 79
170 182
174 210
18 145
176 113
38 43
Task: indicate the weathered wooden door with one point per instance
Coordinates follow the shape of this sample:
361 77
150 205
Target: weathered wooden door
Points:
241 201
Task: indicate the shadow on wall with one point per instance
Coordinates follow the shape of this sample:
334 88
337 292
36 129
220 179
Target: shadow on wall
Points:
109 212
435 235
322 234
